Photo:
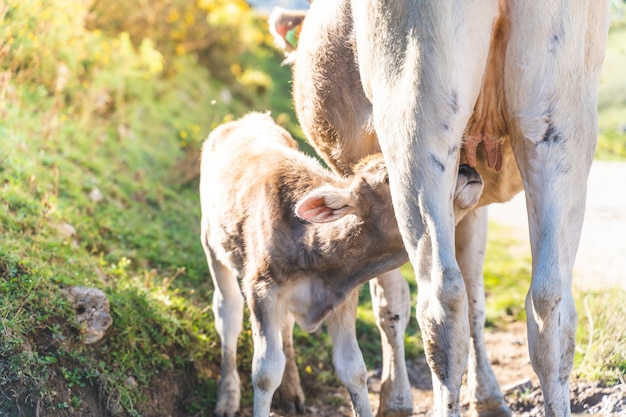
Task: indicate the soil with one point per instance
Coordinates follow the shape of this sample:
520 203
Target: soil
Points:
508 352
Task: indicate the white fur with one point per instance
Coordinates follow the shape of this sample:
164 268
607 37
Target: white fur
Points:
413 56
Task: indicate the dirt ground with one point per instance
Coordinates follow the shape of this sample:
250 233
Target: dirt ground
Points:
508 352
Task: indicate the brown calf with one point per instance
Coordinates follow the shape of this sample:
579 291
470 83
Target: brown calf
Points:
302 239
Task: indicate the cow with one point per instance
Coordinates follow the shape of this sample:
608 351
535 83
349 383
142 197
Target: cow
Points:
336 117
302 239
508 86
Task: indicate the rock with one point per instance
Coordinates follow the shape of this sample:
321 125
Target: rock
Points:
92 312
130 383
66 230
95 195
522 386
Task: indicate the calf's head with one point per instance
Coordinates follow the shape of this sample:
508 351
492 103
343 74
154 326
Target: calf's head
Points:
368 196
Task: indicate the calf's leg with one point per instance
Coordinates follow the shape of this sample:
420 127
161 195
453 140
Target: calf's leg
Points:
290 392
347 356
486 399
391 303
228 311
268 362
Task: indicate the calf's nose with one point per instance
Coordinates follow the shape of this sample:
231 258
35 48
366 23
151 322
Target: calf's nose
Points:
470 173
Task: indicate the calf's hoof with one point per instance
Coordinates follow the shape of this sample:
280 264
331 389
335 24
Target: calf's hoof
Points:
228 396
395 412
290 400
225 410
491 408
223 413
395 401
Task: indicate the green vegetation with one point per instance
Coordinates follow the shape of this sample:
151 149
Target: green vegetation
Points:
103 107
100 132
612 98
601 341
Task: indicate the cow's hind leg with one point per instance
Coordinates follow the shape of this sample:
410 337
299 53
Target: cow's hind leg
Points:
228 312
290 394
471 239
551 76
347 356
392 307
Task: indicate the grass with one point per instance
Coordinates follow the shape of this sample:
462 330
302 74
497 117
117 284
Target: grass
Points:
98 187
612 99
601 341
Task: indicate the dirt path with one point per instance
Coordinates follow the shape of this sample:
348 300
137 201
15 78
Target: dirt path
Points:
508 352
601 259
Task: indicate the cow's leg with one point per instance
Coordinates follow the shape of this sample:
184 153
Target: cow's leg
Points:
552 67
421 64
471 239
347 356
290 391
267 318
391 302
228 311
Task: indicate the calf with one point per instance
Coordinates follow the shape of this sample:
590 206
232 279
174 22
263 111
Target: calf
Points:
302 239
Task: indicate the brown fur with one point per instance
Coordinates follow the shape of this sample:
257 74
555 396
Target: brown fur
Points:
252 181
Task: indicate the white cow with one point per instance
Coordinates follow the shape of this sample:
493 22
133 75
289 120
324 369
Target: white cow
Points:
495 83
302 239
337 120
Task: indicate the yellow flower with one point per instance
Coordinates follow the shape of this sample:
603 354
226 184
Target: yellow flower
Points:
173 15
235 69
308 370
205 4
190 19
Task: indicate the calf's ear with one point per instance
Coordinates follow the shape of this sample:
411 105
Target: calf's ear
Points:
325 204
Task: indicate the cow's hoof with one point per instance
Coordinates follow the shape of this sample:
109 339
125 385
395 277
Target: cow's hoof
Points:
491 408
